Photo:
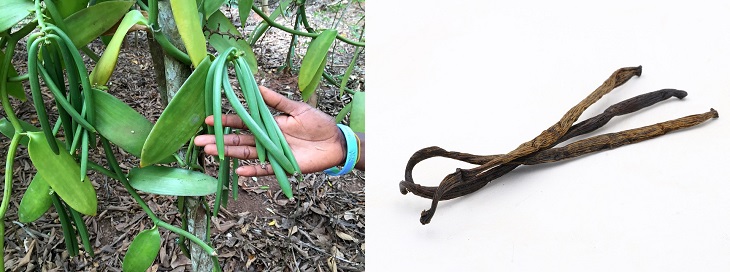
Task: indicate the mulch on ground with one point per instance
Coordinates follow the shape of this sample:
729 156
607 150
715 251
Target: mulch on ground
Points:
323 230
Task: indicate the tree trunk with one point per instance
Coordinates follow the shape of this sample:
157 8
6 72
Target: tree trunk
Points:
171 74
175 72
264 8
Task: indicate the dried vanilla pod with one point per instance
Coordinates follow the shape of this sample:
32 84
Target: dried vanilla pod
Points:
579 148
553 133
624 107
540 149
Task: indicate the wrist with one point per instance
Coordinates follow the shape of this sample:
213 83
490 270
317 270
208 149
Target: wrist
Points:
343 145
360 163
350 147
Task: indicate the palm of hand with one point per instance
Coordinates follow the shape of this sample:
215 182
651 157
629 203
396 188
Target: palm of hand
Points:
313 138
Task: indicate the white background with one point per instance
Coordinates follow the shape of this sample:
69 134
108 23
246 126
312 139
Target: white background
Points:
483 77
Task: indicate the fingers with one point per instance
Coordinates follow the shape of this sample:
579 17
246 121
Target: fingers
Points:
237 146
254 170
228 139
243 146
240 152
244 153
228 120
281 103
273 99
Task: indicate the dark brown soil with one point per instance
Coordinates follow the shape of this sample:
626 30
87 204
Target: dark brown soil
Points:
324 230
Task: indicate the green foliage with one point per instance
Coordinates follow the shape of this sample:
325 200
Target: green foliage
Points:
61 171
222 34
7 129
188 24
172 181
211 6
105 66
357 117
262 27
87 24
142 251
87 113
122 125
68 7
13 11
244 10
14 88
337 7
180 120
314 62
36 200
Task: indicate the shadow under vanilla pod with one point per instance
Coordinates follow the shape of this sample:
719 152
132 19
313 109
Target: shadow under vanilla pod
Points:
541 149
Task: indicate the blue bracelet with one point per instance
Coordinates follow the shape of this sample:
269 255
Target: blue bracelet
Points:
351 153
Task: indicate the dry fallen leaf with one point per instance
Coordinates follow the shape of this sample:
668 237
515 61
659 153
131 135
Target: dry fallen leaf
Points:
251 258
180 260
317 210
345 236
26 259
349 216
227 254
332 261
282 202
153 268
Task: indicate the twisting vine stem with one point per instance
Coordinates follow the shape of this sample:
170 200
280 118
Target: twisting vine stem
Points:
4 86
300 33
8 189
122 178
293 43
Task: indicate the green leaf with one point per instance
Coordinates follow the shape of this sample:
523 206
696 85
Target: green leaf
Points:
106 39
187 19
180 120
87 24
121 124
244 9
211 6
357 116
105 66
309 89
14 88
12 11
345 110
142 251
102 1
348 72
68 7
314 60
36 200
7 129
172 181
220 24
62 174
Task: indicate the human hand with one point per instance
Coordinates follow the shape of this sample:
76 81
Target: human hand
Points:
316 141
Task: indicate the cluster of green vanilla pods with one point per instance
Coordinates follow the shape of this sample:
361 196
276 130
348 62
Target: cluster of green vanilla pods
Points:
270 142
49 51
86 113
76 113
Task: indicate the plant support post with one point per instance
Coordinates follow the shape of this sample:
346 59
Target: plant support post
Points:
174 76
